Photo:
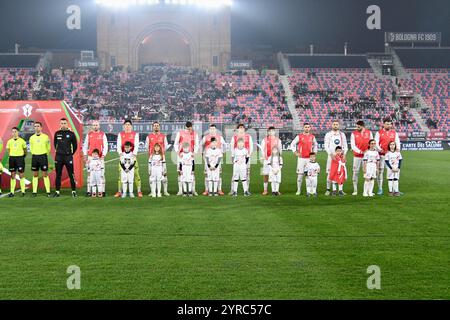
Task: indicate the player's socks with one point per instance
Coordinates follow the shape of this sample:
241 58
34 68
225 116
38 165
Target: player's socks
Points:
235 187
158 188
355 182
47 184
35 184
391 185
380 182
124 189
210 186
266 186
130 189
13 185
164 183
22 185
395 186
299 183
245 185
328 184
180 186
193 187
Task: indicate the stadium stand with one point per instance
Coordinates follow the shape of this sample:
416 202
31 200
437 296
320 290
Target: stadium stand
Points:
173 94
348 94
17 84
433 86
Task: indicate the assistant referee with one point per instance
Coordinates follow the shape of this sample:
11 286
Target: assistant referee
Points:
17 150
65 143
39 148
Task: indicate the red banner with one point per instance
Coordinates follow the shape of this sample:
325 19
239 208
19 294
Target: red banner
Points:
23 113
437 135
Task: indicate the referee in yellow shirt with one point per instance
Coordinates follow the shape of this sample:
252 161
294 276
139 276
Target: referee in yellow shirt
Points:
40 149
17 150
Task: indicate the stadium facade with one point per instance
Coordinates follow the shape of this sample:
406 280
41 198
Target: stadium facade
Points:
166 34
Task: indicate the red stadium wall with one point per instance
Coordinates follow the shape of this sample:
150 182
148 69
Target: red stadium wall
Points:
16 113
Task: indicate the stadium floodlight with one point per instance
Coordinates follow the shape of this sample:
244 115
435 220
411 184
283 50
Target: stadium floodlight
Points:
199 3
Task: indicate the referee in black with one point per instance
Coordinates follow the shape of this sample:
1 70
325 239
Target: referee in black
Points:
66 145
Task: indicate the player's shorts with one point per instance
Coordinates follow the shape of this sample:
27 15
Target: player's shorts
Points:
39 162
357 163
240 172
301 164
156 174
213 175
17 164
390 175
371 171
187 175
137 176
127 177
311 182
96 178
276 178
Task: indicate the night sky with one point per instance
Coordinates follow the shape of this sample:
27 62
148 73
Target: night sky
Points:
289 25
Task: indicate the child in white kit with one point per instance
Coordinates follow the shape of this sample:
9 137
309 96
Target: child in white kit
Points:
312 170
275 164
157 171
96 169
240 168
393 160
186 168
213 163
371 164
127 163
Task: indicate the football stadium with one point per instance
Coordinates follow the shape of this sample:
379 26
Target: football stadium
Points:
224 150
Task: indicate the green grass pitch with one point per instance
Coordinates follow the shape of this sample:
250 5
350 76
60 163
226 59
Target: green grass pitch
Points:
284 247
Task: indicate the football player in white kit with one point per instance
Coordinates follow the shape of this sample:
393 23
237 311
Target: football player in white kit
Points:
311 171
206 144
371 165
127 163
334 138
275 164
96 170
393 161
213 159
186 168
241 158
157 170
359 142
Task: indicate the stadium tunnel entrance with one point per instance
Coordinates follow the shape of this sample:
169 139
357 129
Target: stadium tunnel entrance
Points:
165 46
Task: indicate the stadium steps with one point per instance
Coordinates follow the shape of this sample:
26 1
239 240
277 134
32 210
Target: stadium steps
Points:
375 65
420 121
398 66
290 101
